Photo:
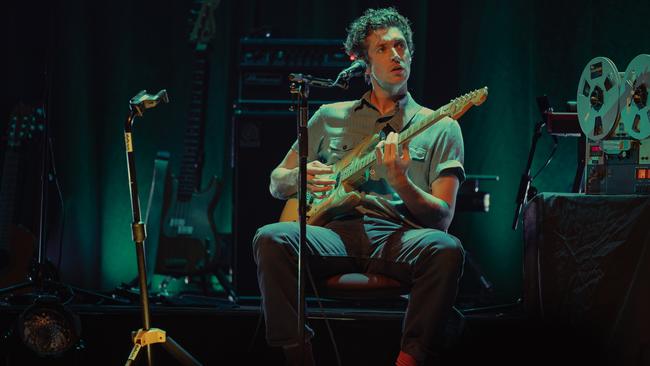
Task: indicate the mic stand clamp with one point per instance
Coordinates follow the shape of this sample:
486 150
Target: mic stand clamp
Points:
299 89
146 336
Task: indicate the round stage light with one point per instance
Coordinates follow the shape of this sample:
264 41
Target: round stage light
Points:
48 328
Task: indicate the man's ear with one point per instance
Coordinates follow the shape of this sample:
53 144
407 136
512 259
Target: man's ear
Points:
368 71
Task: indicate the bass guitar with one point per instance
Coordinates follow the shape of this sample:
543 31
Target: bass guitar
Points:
188 242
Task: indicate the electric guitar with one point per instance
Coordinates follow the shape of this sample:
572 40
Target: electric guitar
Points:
188 242
353 169
16 243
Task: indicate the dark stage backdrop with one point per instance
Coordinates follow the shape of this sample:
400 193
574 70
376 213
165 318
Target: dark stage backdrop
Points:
98 55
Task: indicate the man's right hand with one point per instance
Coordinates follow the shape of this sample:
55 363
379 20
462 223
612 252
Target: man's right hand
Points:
284 178
317 179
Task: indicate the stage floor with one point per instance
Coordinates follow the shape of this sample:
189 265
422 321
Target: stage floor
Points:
219 332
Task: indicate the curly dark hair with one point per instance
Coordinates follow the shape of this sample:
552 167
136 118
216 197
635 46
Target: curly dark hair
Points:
371 20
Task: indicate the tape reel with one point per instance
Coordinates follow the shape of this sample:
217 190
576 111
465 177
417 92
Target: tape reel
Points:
634 93
598 98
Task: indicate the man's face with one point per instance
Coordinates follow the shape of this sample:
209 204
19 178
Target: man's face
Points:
389 59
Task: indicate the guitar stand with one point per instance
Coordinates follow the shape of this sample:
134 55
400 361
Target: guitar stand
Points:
43 274
231 295
204 283
145 336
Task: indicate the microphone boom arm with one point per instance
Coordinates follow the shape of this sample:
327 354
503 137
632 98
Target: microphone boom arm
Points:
318 82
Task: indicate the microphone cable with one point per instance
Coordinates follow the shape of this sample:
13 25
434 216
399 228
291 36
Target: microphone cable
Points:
548 160
324 315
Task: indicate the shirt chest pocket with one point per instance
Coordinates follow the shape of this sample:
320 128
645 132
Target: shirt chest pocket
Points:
418 153
338 147
419 166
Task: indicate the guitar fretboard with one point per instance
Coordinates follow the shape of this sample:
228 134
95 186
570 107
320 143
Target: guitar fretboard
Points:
190 173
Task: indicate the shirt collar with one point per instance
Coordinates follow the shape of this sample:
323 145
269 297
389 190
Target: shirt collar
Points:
406 108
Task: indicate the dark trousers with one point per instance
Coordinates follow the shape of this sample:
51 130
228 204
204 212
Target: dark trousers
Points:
428 260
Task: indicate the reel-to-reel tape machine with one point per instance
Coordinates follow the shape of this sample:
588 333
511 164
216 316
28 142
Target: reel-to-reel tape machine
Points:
614 114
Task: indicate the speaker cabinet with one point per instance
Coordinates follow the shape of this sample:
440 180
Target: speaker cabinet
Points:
261 139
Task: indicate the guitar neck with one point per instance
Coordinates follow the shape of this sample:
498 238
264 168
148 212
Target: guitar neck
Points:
190 174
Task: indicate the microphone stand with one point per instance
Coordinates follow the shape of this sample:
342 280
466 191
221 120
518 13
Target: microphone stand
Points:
299 89
526 179
145 336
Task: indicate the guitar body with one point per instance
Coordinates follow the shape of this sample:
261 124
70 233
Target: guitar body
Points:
16 259
342 198
188 242
353 169
320 212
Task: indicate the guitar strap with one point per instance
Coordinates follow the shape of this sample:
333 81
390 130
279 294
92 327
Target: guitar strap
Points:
418 113
385 131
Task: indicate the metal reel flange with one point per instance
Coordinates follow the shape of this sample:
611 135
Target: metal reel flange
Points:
598 98
634 103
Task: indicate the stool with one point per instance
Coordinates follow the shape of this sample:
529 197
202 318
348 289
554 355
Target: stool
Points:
360 286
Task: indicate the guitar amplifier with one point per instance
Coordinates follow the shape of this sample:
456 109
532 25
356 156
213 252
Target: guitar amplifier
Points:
265 65
261 138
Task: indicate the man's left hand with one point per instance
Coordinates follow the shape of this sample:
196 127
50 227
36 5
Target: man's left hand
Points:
396 164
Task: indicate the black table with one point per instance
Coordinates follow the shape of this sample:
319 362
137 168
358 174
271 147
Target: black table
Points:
586 265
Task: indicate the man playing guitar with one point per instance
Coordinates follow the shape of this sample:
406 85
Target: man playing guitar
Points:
399 227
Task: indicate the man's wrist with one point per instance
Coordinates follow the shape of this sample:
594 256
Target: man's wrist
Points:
401 182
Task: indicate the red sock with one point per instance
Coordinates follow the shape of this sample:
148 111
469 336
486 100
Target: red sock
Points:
404 359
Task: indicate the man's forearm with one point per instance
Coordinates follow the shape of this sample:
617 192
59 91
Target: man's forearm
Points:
428 209
283 182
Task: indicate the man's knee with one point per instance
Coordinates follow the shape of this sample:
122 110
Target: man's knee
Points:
446 248
271 240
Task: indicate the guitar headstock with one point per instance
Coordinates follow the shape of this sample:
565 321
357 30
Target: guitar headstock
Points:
458 106
24 123
204 26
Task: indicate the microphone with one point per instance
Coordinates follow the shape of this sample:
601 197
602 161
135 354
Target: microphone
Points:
144 101
357 68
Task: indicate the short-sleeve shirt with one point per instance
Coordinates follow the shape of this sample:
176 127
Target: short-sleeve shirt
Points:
335 129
